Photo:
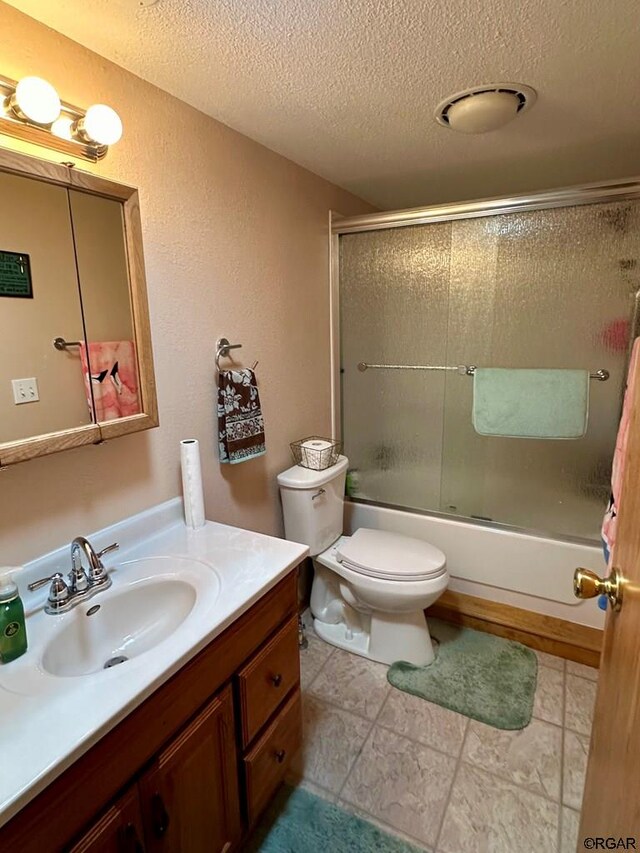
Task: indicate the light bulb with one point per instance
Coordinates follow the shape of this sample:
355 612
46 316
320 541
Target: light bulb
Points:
63 127
101 124
36 100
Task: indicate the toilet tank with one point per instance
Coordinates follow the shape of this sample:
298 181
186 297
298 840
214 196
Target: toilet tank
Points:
313 504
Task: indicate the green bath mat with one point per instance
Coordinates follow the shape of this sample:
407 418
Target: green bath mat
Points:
476 674
299 821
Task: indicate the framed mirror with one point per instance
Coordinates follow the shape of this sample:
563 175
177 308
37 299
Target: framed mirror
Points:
76 364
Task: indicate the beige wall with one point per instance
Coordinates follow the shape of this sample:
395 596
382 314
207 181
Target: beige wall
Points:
34 219
236 245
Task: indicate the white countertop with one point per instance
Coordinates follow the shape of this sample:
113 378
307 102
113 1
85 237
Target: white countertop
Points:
48 722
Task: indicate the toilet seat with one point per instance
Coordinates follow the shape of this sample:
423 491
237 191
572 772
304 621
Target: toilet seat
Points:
390 556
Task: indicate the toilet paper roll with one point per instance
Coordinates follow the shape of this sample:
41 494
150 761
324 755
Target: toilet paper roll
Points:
316 453
192 483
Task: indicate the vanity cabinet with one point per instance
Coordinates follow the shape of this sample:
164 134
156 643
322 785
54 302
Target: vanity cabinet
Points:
191 769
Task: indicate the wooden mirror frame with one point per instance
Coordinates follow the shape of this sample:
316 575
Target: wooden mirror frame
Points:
69 177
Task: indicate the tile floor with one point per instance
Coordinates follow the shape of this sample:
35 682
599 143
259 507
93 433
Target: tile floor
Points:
435 778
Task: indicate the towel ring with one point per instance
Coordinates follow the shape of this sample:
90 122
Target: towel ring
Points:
61 345
222 351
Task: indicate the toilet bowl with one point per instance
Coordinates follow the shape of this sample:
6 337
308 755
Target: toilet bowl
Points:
370 589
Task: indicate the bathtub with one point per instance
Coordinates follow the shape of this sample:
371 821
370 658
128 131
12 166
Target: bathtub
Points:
506 566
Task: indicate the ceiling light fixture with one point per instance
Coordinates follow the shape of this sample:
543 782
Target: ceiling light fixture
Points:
485 108
31 109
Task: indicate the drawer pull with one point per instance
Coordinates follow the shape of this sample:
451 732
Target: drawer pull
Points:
160 815
132 843
280 755
276 680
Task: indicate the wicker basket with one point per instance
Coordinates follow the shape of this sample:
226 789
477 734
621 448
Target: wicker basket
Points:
315 452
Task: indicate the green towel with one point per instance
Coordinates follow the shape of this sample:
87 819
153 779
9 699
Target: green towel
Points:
537 403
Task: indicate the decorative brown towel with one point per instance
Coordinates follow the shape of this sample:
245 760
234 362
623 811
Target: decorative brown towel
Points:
240 421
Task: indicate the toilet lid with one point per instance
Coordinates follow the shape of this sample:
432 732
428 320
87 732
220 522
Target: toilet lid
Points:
391 556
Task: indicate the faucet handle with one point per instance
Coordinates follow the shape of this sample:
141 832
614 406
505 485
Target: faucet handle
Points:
98 573
113 547
58 593
32 587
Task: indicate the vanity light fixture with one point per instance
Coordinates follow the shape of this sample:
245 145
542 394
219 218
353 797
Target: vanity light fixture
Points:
31 110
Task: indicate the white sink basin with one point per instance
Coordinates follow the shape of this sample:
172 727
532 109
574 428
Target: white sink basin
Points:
107 631
155 605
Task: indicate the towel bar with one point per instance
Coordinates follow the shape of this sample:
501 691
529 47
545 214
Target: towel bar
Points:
463 369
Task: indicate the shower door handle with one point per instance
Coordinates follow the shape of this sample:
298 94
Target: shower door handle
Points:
587 584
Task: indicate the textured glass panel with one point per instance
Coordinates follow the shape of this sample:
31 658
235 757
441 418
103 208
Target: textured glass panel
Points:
394 294
552 288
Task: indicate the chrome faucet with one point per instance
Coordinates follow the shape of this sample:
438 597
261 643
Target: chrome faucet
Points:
63 595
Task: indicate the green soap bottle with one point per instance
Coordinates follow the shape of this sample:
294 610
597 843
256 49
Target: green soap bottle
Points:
13 629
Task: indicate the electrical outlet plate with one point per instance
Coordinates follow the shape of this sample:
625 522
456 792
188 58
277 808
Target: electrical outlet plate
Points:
25 391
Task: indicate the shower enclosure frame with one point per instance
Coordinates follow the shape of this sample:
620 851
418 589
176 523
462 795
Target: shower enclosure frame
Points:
592 193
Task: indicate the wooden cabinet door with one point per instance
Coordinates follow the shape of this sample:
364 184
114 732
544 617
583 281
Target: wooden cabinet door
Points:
119 830
189 796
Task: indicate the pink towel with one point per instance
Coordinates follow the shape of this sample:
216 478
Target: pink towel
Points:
610 523
112 366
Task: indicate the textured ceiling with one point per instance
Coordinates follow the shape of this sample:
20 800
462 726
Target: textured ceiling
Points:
348 87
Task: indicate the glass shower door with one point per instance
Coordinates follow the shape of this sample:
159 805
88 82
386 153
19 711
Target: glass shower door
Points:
393 307
549 288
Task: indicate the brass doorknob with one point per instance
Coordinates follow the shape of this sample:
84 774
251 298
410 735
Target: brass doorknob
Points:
587 584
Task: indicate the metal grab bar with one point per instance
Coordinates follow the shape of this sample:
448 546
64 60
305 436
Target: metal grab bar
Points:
463 369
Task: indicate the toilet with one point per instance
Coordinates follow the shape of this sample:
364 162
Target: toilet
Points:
370 589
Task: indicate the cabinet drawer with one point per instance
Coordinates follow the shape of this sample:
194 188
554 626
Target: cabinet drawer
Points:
266 764
267 678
